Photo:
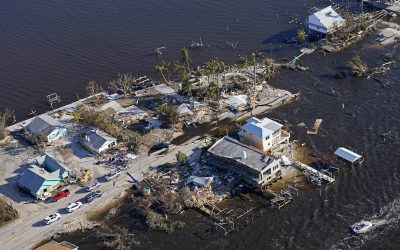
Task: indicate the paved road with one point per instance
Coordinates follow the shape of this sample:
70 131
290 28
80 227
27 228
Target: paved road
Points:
25 234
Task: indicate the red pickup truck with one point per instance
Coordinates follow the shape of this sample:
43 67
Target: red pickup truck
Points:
61 194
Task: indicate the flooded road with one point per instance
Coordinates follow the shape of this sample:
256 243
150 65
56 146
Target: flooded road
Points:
87 41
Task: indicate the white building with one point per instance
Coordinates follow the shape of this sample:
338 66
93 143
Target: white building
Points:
325 21
97 141
263 134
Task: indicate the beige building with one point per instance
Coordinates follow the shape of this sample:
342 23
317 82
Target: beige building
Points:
264 134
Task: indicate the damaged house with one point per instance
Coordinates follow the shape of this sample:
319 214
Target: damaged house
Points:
46 127
97 141
254 167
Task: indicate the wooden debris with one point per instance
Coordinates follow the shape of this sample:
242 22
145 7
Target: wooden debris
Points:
314 130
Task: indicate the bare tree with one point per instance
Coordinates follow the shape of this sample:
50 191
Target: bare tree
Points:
5 117
92 88
66 153
117 237
123 83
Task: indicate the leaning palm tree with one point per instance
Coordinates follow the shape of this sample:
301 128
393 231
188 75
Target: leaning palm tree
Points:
357 66
180 70
185 57
162 68
301 35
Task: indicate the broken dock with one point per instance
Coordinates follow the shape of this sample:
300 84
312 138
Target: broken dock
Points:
313 175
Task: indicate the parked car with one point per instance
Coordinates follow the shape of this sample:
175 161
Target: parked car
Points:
61 194
52 218
92 186
74 206
112 175
159 147
90 197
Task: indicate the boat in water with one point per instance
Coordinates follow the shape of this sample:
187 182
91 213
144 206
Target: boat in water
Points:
361 227
194 44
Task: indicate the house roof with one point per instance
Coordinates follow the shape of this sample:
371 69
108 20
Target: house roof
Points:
261 128
347 154
131 110
230 148
326 17
96 138
112 105
43 124
184 109
54 245
34 177
51 164
236 101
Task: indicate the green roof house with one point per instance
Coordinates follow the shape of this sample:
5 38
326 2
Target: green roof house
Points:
42 179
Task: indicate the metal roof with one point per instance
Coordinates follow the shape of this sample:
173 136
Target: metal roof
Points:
33 178
347 154
261 128
230 148
51 164
326 17
43 124
96 138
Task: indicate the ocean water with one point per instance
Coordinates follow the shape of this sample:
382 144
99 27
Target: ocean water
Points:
57 46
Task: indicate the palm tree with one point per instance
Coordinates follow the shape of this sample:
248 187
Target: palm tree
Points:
181 71
185 57
213 91
357 66
163 108
211 68
172 117
269 68
162 68
187 88
301 35
243 62
254 62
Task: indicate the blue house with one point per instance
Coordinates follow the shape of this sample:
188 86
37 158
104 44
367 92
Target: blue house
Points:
42 178
46 126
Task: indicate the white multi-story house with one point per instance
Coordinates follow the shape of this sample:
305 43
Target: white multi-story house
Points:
264 134
325 21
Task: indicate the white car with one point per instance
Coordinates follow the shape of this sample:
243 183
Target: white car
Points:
52 218
113 174
92 186
74 206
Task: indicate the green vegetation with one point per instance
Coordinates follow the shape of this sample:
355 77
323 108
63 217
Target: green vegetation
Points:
357 66
181 158
100 119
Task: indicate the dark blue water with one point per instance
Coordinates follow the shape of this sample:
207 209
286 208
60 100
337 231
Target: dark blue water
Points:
57 46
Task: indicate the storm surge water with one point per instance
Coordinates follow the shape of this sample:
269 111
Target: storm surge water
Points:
385 220
57 46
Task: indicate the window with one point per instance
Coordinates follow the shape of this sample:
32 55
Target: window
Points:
267 137
268 172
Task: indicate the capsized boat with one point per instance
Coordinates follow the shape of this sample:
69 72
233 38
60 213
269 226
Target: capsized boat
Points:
361 227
